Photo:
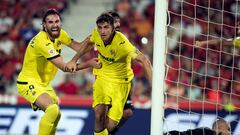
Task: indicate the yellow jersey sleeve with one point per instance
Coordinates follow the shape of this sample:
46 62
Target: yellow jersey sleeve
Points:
47 50
64 37
130 49
93 35
133 51
236 42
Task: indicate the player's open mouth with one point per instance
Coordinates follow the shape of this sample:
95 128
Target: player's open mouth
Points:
103 36
54 30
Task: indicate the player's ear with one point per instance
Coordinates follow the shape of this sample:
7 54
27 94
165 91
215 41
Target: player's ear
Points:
44 26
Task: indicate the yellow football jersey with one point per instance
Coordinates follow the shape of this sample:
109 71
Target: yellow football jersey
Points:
37 66
115 58
236 42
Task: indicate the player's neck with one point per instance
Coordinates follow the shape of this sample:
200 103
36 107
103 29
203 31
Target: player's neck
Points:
107 42
51 38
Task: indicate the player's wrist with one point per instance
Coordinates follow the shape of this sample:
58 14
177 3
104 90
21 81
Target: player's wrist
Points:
77 66
89 64
74 60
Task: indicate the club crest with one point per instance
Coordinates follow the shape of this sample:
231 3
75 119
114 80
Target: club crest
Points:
113 52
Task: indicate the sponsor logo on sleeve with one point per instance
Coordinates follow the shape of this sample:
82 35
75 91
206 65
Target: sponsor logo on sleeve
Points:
52 52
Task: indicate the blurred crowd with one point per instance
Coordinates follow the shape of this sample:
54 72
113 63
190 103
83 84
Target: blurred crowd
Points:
208 73
197 73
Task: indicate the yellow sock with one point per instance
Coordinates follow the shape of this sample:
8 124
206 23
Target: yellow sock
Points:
104 132
55 125
49 120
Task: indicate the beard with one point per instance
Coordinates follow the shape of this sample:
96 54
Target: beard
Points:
53 34
117 28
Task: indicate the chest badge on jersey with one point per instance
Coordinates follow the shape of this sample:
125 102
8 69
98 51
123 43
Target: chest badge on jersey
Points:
122 43
112 52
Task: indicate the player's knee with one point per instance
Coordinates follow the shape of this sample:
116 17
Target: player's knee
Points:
53 112
127 113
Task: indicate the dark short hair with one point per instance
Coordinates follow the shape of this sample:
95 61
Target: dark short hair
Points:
105 17
114 14
50 12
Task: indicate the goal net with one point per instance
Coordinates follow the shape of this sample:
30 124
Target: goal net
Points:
202 82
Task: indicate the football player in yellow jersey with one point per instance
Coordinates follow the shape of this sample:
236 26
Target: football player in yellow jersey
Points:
128 107
235 41
41 62
113 80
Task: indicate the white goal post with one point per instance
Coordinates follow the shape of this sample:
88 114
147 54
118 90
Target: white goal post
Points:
195 82
160 33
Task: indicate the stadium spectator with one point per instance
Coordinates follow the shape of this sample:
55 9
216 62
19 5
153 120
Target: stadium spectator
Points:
41 61
6 22
28 31
68 86
115 54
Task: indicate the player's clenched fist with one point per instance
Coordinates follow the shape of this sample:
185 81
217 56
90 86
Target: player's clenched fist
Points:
95 63
71 66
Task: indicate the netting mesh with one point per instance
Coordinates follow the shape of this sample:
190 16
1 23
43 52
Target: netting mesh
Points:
202 82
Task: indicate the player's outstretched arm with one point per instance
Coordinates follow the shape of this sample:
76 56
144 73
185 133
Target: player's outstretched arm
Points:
147 66
86 46
78 46
59 62
95 63
214 42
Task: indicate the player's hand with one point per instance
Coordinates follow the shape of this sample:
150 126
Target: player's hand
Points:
71 66
199 43
95 63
